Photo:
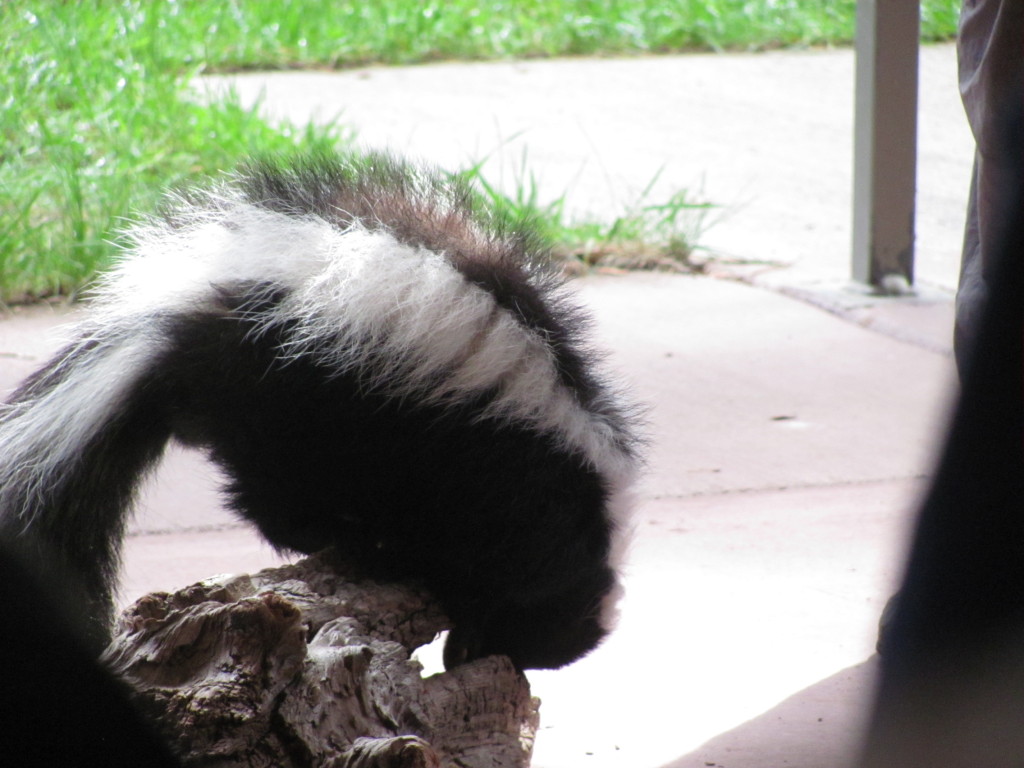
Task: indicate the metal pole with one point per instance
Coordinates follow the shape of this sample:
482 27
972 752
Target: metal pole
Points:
885 143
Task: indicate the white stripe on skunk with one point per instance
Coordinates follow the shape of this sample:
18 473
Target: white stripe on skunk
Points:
378 367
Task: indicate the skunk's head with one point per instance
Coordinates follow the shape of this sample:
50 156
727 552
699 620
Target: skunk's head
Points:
542 635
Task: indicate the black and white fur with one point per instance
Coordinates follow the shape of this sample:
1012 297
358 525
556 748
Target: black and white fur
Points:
378 367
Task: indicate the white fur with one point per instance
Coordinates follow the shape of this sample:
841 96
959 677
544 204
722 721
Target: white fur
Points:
620 502
43 438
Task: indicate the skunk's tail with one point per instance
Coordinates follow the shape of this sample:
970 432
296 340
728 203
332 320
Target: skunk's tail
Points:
76 439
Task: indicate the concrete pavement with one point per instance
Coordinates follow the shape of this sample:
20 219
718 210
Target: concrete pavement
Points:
767 137
794 418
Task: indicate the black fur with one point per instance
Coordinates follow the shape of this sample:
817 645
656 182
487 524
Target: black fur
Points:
489 516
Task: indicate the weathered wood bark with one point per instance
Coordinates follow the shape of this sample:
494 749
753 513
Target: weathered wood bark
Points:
299 666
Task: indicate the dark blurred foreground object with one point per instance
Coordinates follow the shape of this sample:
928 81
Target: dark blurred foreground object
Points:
989 59
59 707
951 690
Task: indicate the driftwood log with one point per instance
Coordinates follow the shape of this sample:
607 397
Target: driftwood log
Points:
301 666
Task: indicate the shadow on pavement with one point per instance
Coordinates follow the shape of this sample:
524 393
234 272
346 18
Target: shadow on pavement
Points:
821 725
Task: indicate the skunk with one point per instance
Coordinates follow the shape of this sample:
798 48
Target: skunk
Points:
378 366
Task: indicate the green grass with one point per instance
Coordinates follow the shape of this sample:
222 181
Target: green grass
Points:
249 33
94 124
645 235
93 128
